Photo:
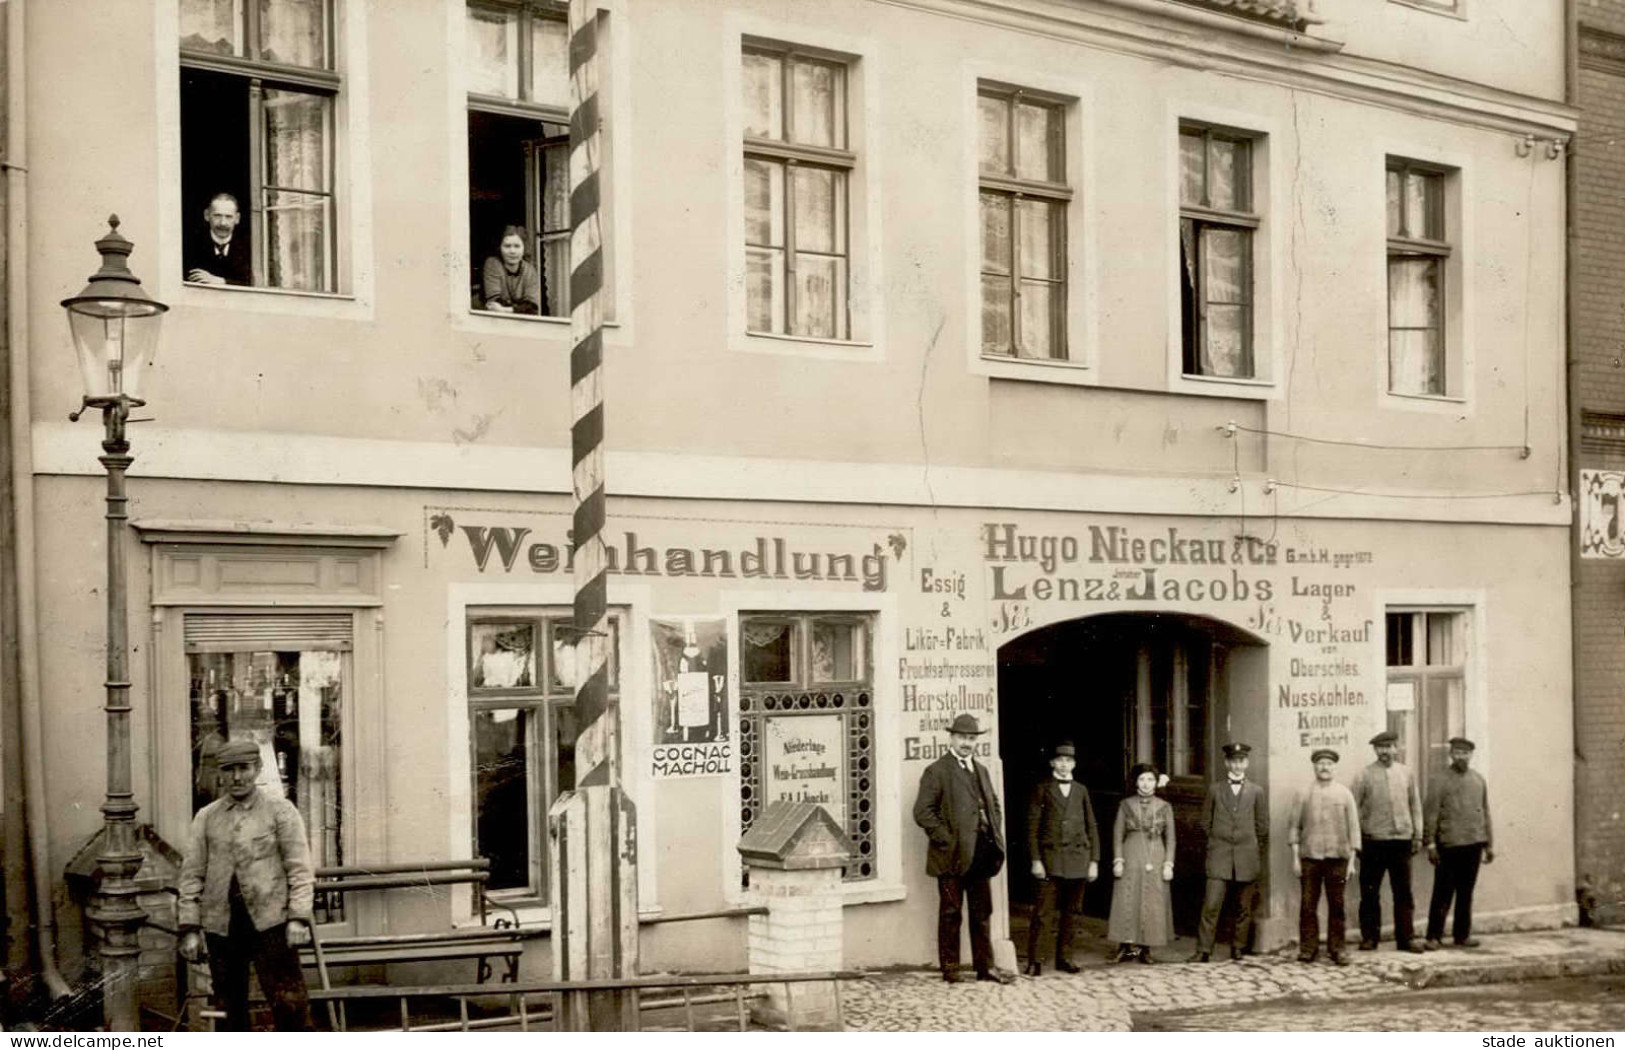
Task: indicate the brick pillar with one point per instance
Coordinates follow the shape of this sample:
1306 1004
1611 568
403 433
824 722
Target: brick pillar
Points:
801 933
796 855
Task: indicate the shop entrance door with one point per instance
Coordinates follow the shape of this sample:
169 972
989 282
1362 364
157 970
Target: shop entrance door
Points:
1166 688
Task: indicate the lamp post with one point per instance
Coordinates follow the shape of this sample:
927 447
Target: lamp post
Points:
115 334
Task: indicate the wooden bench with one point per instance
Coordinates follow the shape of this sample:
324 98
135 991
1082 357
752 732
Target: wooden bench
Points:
502 940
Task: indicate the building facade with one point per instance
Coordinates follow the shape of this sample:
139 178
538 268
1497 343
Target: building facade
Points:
1599 224
1143 372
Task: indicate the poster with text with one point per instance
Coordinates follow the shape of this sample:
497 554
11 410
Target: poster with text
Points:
690 733
803 761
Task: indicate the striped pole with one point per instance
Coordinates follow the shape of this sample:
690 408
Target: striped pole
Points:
597 754
593 863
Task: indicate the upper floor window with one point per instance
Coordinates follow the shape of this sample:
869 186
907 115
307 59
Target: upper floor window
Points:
797 172
519 157
258 97
1418 253
1023 201
1217 224
1449 7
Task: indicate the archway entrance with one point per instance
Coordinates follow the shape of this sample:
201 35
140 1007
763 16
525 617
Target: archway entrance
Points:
1167 688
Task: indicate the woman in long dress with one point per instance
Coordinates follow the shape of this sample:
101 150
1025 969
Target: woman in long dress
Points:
1143 844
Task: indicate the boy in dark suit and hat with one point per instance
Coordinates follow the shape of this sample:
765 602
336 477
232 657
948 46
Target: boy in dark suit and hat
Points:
960 813
1064 843
1235 818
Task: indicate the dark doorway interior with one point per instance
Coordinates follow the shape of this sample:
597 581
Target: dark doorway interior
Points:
1126 687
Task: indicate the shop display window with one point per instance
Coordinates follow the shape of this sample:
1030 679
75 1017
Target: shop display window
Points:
806 723
281 684
522 732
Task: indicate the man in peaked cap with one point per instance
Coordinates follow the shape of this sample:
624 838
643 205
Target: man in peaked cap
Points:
1064 844
246 890
1458 836
1390 834
1236 821
959 811
1324 832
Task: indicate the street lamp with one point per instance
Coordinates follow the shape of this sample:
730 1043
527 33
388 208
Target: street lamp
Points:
115 334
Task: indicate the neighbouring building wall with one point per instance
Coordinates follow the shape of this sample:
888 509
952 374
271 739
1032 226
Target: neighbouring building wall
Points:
1599 343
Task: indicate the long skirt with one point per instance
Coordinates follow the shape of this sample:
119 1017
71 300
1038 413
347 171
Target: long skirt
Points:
1141 910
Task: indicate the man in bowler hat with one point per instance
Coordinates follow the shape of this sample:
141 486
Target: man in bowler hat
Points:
1390 834
1064 843
1458 836
960 813
1235 818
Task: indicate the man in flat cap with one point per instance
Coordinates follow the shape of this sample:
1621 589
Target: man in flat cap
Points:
1235 818
959 811
1324 833
1390 834
1458 836
1064 843
246 890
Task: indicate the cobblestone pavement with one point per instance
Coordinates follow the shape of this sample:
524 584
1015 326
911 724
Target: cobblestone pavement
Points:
1563 1005
1108 998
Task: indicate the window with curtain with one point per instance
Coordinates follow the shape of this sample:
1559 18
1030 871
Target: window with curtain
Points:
1217 223
258 96
1418 252
1427 684
806 723
798 169
518 65
522 732
1021 165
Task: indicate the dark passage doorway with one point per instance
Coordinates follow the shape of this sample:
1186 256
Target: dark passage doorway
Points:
1168 688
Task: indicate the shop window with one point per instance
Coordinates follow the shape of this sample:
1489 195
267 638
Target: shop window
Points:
1418 259
522 730
1427 685
806 725
281 683
258 92
1023 202
798 170
1217 224
519 157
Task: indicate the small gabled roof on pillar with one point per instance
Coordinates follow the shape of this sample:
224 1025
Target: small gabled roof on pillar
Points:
795 836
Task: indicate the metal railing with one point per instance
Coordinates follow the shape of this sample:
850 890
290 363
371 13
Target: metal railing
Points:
522 1012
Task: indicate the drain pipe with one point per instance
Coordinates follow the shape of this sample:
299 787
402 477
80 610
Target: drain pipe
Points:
1571 316
22 469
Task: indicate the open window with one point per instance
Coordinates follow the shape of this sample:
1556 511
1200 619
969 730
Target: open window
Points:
519 157
258 99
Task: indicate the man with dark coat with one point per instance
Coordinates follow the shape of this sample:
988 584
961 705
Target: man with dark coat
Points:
1235 818
220 253
1064 843
1390 834
960 813
1458 835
